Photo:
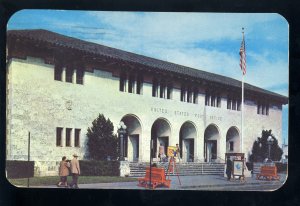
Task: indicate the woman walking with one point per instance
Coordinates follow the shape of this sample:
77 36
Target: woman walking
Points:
63 172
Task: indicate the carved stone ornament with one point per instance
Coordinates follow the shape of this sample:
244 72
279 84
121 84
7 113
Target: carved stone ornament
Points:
69 105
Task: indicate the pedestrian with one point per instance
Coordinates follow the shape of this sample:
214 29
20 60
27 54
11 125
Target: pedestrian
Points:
177 152
75 169
228 168
161 153
63 172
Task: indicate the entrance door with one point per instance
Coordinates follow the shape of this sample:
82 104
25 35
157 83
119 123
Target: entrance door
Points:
188 150
134 153
164 141
210 150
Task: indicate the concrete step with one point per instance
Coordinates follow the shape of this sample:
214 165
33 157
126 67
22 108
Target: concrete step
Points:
184 169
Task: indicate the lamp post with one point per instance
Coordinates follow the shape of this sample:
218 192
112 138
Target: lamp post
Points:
121 131
270 142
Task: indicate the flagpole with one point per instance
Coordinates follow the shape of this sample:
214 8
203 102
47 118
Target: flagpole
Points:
243 67
242 138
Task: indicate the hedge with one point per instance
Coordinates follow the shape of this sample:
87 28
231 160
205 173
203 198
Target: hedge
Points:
99 168
19 169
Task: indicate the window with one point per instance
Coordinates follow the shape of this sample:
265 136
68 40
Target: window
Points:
207 100
262 108
195 96
77 138
58 72
69 75
123 82
131 84
258 108
162 92
155 88
231 145
213 99
169 91
68 137
183 93
59 136
139 84
189 95
219 102
233 103
79 76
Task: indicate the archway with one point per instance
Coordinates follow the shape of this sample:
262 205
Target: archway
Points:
187 136
232 140
211 143
132 138
160 134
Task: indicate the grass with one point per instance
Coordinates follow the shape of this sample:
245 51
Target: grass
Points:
43 181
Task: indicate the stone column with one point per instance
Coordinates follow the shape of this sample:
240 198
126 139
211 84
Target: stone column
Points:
63 137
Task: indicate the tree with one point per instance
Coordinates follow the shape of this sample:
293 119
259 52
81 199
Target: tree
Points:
101 142
260 148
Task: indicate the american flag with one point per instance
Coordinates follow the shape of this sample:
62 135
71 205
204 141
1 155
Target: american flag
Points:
243 56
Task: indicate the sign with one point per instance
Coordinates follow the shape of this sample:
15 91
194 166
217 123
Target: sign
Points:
238 168
171 151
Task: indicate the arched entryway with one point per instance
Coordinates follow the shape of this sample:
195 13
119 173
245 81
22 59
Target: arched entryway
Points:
187 136
232 140
211 143
160 134
132 138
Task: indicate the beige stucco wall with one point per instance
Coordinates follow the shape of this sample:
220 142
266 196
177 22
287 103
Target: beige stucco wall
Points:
38 104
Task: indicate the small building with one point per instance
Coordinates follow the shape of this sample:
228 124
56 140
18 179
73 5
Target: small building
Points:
57 85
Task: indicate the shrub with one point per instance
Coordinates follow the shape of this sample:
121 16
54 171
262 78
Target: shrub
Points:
99 168
101 142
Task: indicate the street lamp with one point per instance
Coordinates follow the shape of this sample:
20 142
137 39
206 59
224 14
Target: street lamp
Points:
270 142
121 131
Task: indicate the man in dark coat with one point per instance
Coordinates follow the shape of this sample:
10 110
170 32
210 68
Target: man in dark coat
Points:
228 168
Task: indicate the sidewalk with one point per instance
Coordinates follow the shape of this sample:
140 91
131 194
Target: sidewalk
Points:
201 182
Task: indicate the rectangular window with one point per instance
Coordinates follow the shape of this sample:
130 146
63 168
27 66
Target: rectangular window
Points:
239 105
131 84
59 136
189 95
263 109
219 102
213 99
68 137
234 105
195 96
155 88
258 108
123 82
58 72
228 103
183 94
69 75
139 85
169 91
207 99
77 138
79 76
162 90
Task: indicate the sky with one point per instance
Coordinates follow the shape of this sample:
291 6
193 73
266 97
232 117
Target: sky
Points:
205 41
